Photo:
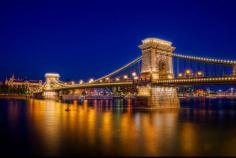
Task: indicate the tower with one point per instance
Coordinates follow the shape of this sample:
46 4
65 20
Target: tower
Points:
157 64
51 81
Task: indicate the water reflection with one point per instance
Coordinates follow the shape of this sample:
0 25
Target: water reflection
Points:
106 127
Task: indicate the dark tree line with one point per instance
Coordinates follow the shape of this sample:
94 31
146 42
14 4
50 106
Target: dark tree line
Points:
4 89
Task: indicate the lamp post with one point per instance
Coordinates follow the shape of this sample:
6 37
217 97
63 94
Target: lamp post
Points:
199 74
180 75
188 73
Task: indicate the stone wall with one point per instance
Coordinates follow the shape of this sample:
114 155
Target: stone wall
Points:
164 97
159 97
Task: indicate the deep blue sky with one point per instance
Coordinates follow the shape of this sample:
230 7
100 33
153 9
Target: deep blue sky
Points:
79 39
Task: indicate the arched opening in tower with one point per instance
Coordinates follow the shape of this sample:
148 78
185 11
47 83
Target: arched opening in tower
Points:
163 70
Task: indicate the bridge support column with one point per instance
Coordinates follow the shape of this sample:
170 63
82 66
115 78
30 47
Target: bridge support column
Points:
50 95
157 65
159 97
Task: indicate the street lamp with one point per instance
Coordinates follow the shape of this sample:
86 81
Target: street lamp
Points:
180 75
117 79
91 80
134 74
125 77
188 73
81 82
199 74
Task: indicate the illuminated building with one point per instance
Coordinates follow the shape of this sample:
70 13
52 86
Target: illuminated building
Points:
30 85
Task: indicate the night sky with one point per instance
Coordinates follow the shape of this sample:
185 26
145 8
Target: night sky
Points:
83 39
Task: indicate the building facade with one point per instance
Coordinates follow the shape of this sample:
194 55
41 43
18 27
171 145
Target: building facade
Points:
29 85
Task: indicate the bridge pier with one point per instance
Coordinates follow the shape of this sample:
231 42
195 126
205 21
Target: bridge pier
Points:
50 95
159 97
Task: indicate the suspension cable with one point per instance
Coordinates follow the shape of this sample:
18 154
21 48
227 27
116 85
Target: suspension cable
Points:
202 59
120 69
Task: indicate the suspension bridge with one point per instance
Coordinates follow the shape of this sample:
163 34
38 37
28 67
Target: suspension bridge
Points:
151 75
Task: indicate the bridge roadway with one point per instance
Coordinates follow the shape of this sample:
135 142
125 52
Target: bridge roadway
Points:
94 85
167 82
197 81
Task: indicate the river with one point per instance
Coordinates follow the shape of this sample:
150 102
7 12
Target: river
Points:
43 128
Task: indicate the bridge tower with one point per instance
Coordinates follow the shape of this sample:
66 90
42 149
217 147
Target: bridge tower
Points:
51 81
157 66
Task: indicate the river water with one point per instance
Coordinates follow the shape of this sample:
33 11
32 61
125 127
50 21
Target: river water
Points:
43 128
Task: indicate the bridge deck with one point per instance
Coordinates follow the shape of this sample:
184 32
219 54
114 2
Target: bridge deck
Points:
95 85
168 82
198 81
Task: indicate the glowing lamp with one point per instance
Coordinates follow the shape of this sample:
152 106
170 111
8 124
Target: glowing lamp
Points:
81 82
188 71
199 73
91 80
134 74
180 75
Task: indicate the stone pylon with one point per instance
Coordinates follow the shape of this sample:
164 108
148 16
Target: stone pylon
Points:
156 65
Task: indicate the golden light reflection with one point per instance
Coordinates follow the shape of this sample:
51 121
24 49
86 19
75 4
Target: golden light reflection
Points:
128 133
46 119
94 128
106 129
189 139
149 134
91 126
